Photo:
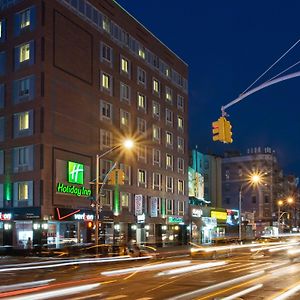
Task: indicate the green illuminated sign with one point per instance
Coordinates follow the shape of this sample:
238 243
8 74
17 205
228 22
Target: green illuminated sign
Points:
175 220
73 190
75 172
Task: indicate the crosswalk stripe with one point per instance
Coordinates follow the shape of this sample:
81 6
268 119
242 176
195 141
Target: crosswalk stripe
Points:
116 297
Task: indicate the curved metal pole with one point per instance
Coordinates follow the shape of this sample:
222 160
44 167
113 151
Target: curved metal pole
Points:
258 88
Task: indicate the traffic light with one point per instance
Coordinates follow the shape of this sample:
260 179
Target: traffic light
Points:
116 176
120 176
112 178
90 224
222 131
219 130
228 132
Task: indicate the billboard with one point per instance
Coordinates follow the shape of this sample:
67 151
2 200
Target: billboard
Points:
233 217
196 184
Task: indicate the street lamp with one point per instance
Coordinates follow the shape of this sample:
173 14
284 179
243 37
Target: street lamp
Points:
253 179
280 203
127 144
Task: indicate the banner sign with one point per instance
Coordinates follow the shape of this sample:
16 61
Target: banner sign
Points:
138 204
154 207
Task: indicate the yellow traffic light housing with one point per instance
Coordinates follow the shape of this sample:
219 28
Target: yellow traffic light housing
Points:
112 178
116 177
222 131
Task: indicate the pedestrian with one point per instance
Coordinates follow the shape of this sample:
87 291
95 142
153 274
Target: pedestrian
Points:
29 244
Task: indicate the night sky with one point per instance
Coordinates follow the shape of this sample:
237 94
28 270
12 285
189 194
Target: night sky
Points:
227 45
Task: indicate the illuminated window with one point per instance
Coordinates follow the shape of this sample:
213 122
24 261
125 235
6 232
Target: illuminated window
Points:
106 24
156 109
24 85
23 191
141 126
124 65
180 187
24 120
169 139
24 52
1 29
141 101
169 94
169 161
142 52
180 122
156 133
124 118
25 18
169 117
156 86
156 157
106 81
141 177
169 184
125 197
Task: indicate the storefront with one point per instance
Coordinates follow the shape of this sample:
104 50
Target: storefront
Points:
196 224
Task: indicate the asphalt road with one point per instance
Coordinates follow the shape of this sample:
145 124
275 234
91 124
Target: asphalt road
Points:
243 276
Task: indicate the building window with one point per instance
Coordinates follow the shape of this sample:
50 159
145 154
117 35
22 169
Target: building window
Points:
169 161
106 53
169 94
180 187
105 167
24 89
105 110
125 66
180 144
23 159
156 133
227 174
266 198
169 207
106 198
169 139
25 18
227 200
142 153
157 178
141 76
156 86
169 117
181 208
2 30
142 52
125 199
141 126
156 157
124 92
24 54
1 162
2 63
2 129
127 170
106 82
105 139
124 118
23 124
142 178
240 172
180 165
141 102
106 24
227 187
156 109
180 102
254 199
23 194
2 95
180 123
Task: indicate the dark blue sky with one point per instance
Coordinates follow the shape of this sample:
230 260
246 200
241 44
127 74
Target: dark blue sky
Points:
227 45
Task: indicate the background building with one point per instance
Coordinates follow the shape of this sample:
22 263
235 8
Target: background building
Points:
76 78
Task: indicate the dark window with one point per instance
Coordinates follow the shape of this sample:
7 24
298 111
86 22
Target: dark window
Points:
227 187
254 199
24 89
227 200
2 95
266 199
2 63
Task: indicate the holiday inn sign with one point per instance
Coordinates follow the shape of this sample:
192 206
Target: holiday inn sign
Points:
75 175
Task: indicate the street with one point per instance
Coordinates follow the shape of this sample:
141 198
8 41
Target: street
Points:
243 275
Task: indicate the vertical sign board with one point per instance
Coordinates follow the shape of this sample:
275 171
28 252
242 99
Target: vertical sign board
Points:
138 205
154 207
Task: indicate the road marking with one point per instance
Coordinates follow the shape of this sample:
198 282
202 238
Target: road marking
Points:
116 297
231 268
145 298
89 296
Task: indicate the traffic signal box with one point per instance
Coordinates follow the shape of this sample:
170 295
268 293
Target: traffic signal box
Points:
116 177
222 131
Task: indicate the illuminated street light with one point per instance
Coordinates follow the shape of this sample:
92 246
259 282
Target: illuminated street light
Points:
290 200
127 144
280 203
253 179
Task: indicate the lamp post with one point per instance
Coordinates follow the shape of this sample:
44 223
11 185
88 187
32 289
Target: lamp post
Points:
127 144
280 203
253 179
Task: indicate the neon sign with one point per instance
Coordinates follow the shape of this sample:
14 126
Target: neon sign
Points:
5 216
73 190
75 172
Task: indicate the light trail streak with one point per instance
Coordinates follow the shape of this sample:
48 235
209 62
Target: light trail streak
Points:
220 285
244 292
192 268
78 262
273 247
288 293
57 293
249 268
17 286
146 268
